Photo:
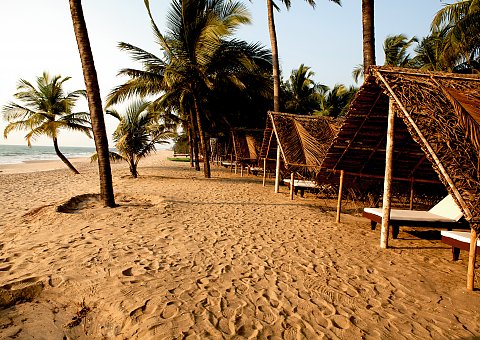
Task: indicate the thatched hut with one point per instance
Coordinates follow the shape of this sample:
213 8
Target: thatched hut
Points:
408 126
301 140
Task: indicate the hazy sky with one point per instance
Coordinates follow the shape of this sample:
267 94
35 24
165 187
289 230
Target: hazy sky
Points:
37 36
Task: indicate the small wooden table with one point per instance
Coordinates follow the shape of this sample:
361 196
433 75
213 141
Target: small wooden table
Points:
459 240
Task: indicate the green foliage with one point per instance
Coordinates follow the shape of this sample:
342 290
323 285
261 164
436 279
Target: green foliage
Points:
301 94
137 133
46 108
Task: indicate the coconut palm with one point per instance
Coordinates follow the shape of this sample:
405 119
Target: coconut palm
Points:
46 108
94 102
335 102
274 45
368 28
198 60
302 94
461 20
429 53
396 50
137 133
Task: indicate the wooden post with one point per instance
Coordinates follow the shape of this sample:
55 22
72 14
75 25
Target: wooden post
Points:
241 170
340 193
292 185
235 167
411 193
387 185
471 260
264 170
277 170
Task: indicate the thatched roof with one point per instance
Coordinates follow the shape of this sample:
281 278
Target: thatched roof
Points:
436 132
303 139
246 144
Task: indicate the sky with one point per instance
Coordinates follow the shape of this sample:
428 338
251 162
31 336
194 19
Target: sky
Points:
37 36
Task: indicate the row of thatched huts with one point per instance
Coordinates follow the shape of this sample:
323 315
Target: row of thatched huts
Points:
406 131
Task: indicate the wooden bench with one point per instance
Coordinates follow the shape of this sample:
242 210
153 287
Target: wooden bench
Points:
459 240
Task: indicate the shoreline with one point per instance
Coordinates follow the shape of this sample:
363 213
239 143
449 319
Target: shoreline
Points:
40 165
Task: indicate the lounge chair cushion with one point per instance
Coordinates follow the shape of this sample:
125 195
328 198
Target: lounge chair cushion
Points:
444 211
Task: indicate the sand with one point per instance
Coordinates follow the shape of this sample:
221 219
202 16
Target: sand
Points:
220 258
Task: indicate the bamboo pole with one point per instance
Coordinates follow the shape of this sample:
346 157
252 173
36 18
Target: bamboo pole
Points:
387 185
292 185
411 193
340 192
264 170
471 260
277 170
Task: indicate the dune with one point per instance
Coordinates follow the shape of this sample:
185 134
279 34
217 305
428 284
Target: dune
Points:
222 258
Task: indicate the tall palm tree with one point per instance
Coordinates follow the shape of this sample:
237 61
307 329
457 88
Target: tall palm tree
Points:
46 109
461 20
94 102
137 133
368 28
274 45
198 60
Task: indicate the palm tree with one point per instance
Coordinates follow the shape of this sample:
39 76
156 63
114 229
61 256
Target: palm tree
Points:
301 92
396 50
368 27
198 61
429 53
461 20
46 110
137 133
335 102
94 103
274 45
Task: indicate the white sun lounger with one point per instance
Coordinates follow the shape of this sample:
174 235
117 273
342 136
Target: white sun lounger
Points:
458 240
445 214
301 184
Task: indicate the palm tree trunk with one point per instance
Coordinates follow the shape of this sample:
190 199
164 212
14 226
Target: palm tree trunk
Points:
63 158
194 140
203 144
190 143
368 34
94 102
133 168
275 63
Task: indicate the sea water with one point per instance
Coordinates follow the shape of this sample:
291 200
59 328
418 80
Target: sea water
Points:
14 154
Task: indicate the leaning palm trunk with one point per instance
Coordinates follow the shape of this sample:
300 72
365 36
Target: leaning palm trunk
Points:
368 34
203 144
94 102
275 63
63 158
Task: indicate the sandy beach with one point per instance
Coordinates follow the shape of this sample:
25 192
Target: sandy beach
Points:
222 258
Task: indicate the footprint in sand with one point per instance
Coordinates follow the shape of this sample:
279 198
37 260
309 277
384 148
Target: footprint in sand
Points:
170 310
340 321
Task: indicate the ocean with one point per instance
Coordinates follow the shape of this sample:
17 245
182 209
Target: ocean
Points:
14 154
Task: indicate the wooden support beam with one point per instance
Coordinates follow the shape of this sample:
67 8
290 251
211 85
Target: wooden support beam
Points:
471 260
277 171
411 193
292 185
340 193
264 170
387 185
